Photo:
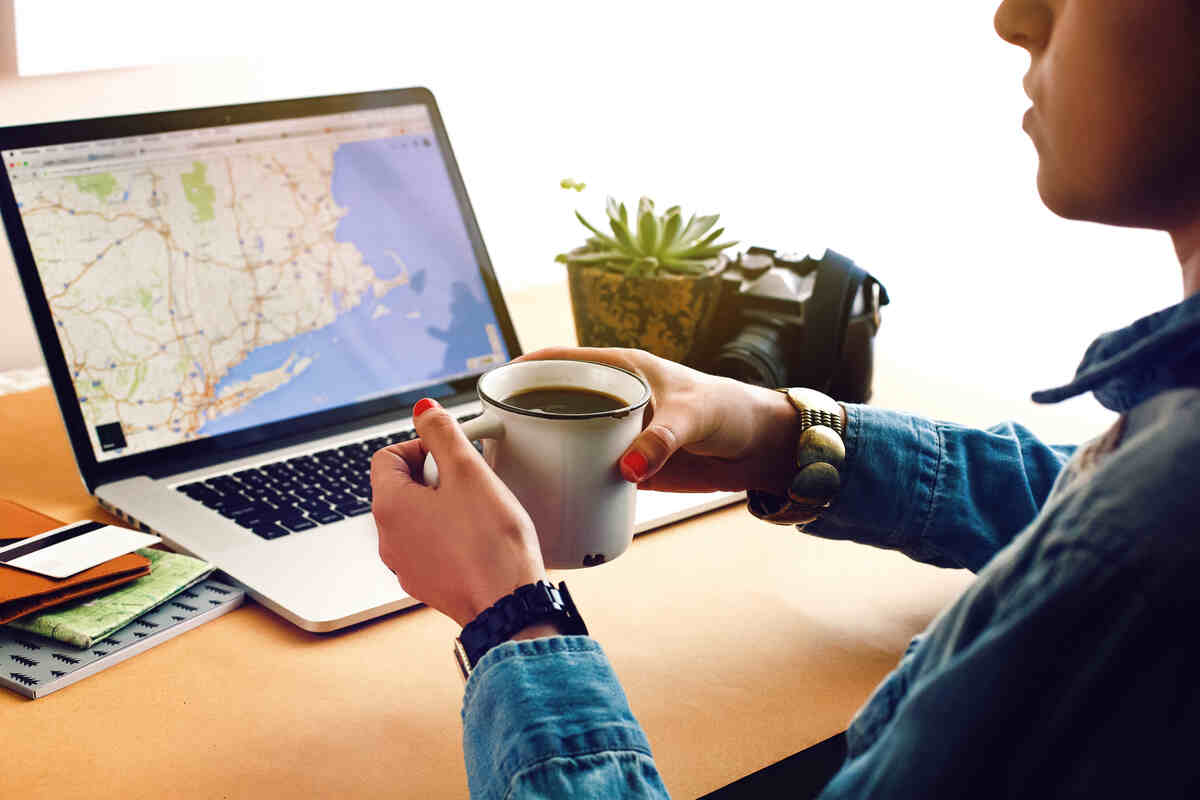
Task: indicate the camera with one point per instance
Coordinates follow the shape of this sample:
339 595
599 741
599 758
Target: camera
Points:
783 319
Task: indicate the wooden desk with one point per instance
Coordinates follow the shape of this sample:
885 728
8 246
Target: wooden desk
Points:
738 643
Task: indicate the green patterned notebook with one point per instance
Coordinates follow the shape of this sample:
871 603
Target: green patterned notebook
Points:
87 622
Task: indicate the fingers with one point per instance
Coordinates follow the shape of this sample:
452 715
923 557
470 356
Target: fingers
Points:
393 468
670 429
410 453
441 435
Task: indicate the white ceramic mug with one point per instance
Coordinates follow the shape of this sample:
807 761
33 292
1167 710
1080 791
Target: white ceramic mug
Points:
563 467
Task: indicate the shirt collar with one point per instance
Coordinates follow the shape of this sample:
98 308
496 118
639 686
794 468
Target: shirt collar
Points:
1124 367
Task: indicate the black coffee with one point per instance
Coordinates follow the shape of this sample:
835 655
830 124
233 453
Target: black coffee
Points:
565 400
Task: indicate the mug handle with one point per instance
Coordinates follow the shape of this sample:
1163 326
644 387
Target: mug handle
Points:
486 426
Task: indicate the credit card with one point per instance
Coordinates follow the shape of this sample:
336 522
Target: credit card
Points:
64 551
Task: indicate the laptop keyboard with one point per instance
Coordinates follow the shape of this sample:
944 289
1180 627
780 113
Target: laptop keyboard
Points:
299 493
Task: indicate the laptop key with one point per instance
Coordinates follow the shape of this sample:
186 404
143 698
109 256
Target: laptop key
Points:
251 509
204 495
273 497
285 484
326 517
288 510
297 523
252 518
270 531
353 509
232 502
402 436
314 506
302 462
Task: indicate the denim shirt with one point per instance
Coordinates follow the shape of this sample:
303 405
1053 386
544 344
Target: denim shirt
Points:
1068 668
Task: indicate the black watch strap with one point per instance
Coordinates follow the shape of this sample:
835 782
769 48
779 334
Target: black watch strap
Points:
527 605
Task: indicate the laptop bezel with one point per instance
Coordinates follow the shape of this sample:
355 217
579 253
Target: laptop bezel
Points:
225 447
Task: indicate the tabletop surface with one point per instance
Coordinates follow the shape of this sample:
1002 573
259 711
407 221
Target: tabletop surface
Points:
737 642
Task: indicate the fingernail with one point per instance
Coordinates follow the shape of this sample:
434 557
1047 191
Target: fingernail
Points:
423 405
634 465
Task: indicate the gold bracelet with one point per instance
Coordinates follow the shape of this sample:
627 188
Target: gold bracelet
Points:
820 453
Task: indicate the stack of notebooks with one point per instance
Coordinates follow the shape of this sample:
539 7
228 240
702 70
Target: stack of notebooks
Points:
61 621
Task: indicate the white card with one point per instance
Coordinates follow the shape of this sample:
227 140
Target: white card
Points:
64 551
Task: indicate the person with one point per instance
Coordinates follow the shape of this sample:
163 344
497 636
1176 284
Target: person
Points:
1068 667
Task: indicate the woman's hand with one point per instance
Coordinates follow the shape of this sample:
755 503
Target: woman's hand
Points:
703 432
462 546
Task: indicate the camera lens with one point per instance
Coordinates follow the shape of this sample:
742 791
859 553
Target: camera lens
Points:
754 356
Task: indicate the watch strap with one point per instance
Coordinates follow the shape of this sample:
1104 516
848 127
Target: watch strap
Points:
527 605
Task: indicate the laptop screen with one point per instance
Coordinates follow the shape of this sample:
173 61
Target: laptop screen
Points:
209 280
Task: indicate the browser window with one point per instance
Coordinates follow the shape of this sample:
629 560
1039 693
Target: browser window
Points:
207 281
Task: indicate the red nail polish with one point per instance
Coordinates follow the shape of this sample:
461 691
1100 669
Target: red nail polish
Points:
634 463
423 405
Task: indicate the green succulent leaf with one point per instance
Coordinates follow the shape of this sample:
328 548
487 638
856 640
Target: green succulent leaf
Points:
624 240
697 227
647 231
608 240
613 209
670 234
712 237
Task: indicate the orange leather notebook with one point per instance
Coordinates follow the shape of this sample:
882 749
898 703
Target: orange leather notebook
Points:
24 593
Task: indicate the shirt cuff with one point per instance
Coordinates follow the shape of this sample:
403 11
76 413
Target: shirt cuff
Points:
887 480
536 699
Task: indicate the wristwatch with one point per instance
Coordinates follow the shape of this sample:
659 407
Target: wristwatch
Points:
527 605
820 452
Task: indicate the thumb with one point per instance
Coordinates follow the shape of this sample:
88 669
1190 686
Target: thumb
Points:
652 448
441 436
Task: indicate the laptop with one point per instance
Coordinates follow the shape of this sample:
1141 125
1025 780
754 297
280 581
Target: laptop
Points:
237 306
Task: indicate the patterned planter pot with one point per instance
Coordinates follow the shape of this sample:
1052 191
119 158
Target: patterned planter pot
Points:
662 315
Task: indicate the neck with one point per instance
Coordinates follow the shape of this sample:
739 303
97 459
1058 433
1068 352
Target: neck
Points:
1187 247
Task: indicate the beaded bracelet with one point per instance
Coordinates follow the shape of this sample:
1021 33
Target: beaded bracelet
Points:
820 452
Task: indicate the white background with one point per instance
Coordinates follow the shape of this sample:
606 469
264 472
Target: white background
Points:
887 131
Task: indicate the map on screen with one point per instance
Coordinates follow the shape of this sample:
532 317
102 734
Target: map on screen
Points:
204 282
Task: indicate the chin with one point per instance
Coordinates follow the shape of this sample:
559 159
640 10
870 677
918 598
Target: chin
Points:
1064 204
1083 205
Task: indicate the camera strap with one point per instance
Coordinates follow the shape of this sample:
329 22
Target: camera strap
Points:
827 315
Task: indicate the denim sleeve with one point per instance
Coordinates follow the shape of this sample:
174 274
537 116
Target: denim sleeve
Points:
941 493
547 718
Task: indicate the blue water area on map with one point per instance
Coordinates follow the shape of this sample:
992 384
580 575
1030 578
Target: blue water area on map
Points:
400 201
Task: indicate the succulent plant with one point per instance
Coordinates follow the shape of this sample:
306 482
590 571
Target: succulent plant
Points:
657 244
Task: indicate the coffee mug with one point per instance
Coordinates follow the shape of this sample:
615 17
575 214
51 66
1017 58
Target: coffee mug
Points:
561 462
